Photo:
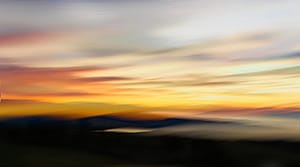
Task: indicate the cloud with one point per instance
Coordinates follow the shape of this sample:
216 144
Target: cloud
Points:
29 38
295 54
18 101
52 82
90 52
279 71
42 74
195 81
62 93
70 110
149 52
5 60
103 79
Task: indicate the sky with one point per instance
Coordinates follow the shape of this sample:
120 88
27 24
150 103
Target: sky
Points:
162 57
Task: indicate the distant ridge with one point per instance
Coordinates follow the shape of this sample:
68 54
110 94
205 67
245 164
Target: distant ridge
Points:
107 122
99 122
32 121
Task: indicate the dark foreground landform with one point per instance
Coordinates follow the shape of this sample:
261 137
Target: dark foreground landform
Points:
58 144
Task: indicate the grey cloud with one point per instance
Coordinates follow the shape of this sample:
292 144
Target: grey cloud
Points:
103 79
281 71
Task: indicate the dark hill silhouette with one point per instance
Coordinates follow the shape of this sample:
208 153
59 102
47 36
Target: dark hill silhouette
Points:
98 122
107 122
33 121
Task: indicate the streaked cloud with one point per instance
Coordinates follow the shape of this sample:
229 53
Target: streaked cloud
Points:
232 54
